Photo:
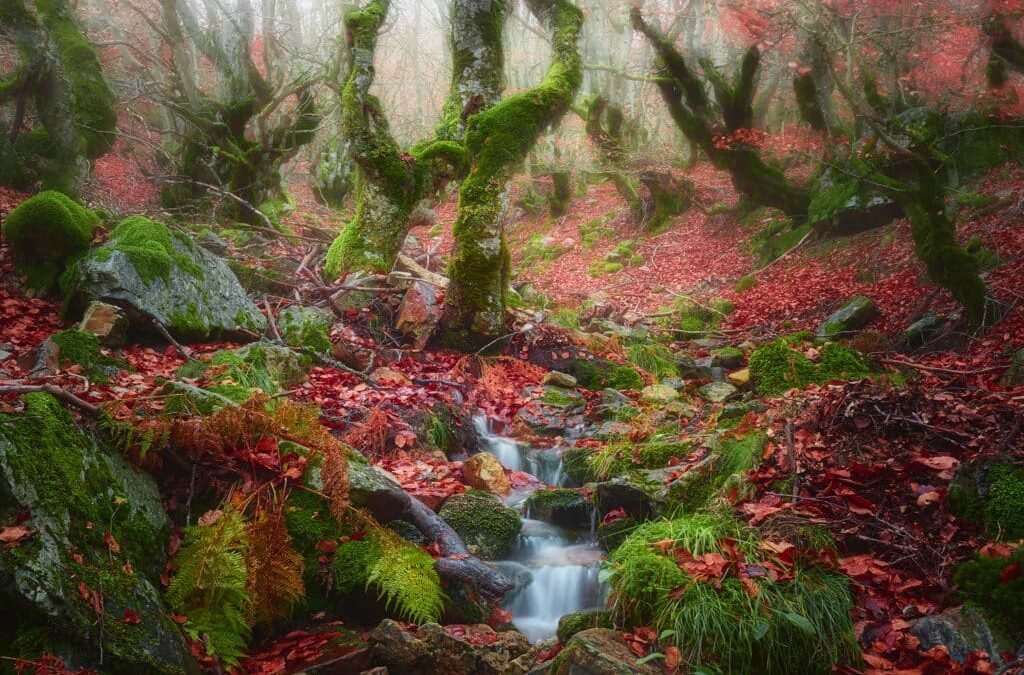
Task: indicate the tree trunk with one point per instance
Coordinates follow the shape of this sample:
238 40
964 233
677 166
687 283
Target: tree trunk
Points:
498 140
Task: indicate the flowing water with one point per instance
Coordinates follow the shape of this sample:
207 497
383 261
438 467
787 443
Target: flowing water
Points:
564 565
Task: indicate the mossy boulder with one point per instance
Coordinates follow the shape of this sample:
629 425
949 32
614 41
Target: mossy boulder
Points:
778 367
994 586
570 624
483 522
83 349
307 328
853 315
432 649
156 274
601 374
563 507
599 651
550 411
45 233
90 514
990 494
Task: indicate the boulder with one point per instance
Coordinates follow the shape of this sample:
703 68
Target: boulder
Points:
558 379
551 413
107 322
483 471
87 514
353 299
484 524
729 358
307 328
623 492
452 650
154 274
571 624
961 630
562 507
853 315
598 651
921 332
718 392
659 393
419 314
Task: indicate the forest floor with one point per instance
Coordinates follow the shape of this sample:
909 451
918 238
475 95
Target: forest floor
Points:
875 459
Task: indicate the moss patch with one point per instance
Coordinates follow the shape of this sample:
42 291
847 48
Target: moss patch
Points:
777 367
484 522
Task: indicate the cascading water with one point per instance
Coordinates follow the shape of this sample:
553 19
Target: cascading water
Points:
565 566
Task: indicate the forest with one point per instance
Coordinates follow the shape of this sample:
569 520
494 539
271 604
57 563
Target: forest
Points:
507 337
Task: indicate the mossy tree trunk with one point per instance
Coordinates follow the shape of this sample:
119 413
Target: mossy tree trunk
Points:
58 77
240 132
1007 52
693 112
497 141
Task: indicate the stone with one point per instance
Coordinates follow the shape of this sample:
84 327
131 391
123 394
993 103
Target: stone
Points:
921 332
199 298
284 366
740 378
483 471
613 399
351 299
213 242
519 573
852 316
718 392
598 651
571 624
707 343
353 355
551 413
59 478
419 314
1014 376
729 358
430 649
676 383
107 322
562 507
961 630
622 493
307 328
659 393
484 523
733 411
558 379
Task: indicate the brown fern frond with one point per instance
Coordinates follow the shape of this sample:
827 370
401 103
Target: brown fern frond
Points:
371 435
274 583
335 476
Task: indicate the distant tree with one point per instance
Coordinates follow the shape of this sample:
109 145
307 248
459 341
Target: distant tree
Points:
56 109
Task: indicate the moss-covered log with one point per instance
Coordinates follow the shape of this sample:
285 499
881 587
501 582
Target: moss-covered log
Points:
497 141
691 109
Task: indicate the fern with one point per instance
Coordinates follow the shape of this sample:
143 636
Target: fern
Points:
405 577
210 587
274 569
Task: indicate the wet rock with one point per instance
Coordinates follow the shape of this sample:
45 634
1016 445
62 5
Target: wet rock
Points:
571 624
854 315
1014 377
419 314
62 481
598 651
659 393
195 296
107 322
624 493
718 392
553 377
921 332
519 573
484 524
352 355
961 630
562 507
459 650
483 471
552 412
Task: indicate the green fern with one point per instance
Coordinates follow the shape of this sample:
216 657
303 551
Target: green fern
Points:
405 577
210 587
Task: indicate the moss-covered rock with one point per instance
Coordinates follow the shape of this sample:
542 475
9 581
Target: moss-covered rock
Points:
777 367
483 522
156 274
600 651
307 328
984 583
563 507
45 233
734 455
853 315
90 514
570 624
990 494
83 349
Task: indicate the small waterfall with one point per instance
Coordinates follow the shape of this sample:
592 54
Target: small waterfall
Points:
565 566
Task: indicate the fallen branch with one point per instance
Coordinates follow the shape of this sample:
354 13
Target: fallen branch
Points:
945 371
786 254
170 338
55 391
422 272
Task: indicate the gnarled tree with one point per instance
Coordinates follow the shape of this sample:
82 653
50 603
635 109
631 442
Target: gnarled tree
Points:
497 141
56 110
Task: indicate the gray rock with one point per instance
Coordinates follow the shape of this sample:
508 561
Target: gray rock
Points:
62 485
213 242
614 399
598 651
107 322
558 379
676 383
553 412
194 302
625 493
718 392
961 630
659 393
432 650
854 315
921 332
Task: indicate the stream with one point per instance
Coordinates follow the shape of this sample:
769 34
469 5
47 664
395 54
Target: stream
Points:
564 564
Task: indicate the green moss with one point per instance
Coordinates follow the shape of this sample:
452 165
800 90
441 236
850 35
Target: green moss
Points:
591 374
596 229
837 362
575 462
149 246
83 349
734 455
570 624
776 368
45 233
797 626
482 521
562 506
307 328
604 267
981 583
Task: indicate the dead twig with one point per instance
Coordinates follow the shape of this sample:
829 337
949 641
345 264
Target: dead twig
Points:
55 391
